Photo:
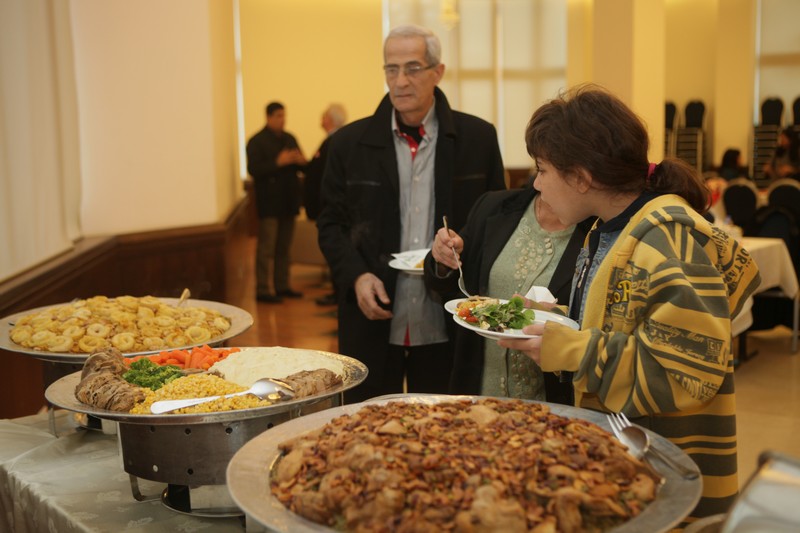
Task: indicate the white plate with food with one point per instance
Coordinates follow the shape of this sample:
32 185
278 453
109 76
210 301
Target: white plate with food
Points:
409 262
501 318
452 305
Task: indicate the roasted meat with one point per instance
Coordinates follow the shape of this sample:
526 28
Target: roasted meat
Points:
107 360
102 385
311 382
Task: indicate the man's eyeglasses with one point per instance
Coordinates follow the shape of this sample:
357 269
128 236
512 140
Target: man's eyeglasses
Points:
411 70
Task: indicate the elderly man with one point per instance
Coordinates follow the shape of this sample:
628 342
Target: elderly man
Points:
389 180
333 118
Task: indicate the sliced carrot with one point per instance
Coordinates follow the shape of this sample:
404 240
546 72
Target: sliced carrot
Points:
197 357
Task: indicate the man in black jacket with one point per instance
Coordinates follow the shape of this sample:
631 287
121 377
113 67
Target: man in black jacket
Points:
389 180
333 118
273 160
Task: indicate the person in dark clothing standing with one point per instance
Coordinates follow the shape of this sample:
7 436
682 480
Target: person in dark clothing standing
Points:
388 181
273 160
333 118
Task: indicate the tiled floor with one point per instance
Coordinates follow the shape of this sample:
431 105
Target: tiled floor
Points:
768 399
767 385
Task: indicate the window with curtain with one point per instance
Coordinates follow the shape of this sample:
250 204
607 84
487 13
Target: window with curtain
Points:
504 58
39 156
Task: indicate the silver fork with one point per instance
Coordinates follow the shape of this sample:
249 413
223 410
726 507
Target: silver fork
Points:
638 442
455 255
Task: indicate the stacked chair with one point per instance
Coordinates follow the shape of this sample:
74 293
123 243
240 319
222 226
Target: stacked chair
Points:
689 142
765 137
670 110
796 113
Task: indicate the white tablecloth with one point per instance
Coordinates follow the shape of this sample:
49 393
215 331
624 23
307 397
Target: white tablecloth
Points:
777 272
774 263
76 483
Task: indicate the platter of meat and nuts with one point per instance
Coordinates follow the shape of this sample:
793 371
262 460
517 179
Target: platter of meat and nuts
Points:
69 332
124 389
454 463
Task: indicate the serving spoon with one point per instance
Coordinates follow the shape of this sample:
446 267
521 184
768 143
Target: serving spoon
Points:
264 388
638 443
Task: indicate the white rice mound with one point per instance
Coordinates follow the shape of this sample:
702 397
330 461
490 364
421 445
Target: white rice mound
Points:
251 364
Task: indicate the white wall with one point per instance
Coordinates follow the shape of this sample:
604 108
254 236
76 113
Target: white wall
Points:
153 146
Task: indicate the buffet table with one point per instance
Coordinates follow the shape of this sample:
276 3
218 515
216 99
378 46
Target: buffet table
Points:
76 483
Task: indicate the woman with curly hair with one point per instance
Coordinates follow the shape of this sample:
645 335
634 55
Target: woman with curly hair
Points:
655 287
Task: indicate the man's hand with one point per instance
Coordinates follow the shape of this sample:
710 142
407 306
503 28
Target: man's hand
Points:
290 156
369 290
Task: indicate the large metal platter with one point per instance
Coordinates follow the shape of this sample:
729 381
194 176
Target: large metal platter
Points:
249 471
62 394
240 320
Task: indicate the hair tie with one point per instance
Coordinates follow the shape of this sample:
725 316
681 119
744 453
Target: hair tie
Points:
650 170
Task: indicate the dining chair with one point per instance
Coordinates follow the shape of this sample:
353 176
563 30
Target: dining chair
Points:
693 114
670 111
740 199
774 307
785 192
772 112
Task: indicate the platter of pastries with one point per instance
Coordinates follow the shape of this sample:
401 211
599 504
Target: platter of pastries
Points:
69 332
454 463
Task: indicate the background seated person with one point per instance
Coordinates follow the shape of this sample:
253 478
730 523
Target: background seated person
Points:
786 161
731 166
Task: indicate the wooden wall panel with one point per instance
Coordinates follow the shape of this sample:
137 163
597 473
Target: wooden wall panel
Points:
161 263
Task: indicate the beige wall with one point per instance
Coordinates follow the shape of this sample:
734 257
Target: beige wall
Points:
708 53
156 87
307 54
711 57
734 86
691 34
620 44
157 96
